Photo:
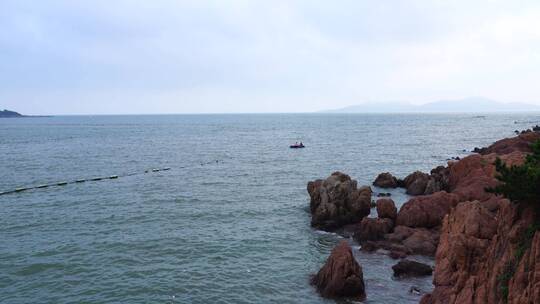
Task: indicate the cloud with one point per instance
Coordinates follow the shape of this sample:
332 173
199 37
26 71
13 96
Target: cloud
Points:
262 56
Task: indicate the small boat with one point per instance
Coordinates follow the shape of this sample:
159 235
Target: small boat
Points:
297 146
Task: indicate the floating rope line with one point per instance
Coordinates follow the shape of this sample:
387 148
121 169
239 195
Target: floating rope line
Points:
99 178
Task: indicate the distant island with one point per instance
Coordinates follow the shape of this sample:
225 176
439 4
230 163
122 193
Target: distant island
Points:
471 104
10 114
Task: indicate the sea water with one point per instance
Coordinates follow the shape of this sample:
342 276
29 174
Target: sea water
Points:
228 223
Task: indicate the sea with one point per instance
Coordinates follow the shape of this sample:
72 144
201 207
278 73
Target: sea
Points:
203 208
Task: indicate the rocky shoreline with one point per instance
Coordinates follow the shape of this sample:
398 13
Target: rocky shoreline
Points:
472 234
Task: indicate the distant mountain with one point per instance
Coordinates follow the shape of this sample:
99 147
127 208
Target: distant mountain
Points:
9 114
472 104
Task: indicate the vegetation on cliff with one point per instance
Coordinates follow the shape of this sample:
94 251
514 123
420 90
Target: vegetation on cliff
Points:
520 183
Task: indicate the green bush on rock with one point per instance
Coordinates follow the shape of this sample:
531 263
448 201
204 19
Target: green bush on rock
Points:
520 183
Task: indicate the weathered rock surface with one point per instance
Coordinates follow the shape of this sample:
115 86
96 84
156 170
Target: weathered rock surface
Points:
337 201
521 143
401 242
483 256
386 180
386 208
411 268
438 180
416 183
373 229
473 174
422 241
426 211
341 276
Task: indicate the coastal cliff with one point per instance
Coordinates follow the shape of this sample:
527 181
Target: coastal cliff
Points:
489 248
486 248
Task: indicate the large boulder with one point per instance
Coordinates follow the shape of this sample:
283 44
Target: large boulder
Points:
427 210
341 276
337 201
422 241
386 180
415 240
372 229
386 208
411 268
416 183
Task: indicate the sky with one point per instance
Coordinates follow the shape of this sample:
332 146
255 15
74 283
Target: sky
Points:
135 57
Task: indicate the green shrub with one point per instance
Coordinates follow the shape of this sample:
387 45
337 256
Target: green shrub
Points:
520 184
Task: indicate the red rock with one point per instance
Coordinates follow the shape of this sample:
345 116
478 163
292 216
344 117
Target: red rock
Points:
400 233
416 183
521 143
473 174
426 211
422 241
438 180
476 247
385 180
341 276
372 229
386 208
337 201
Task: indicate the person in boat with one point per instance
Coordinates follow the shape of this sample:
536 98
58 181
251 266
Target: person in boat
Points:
301 144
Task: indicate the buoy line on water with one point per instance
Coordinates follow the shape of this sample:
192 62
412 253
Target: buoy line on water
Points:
101 178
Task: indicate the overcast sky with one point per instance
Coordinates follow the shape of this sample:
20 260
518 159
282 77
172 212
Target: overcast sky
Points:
105 57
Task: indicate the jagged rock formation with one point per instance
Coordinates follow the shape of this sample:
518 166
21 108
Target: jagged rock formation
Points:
489 248
341 276
337 201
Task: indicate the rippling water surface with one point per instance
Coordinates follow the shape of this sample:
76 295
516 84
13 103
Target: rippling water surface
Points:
235 231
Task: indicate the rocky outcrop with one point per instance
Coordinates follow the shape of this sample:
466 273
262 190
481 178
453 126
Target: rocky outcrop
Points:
341 276
414 240
406 268
373 229
422 241
416 183
386 180
386 208
426 211
489 248
337 201
520 143
438 180
470 177
473 253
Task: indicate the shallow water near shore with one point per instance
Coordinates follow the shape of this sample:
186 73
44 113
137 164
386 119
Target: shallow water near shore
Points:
232 231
